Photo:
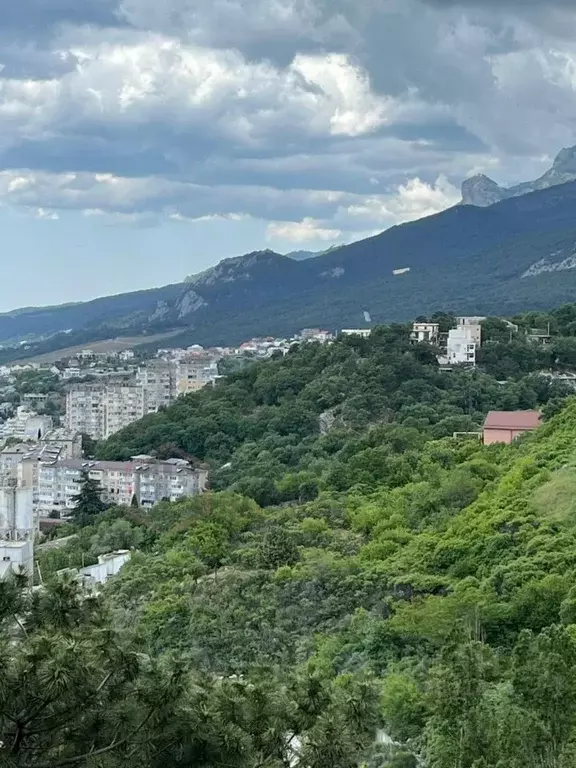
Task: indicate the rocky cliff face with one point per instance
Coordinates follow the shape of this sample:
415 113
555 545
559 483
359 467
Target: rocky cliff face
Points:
482 191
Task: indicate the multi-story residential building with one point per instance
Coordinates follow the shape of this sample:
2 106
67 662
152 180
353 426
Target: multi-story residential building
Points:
101 410
461 346
86 411
158 382
425 332
195 373
123 404
473 326
144 479
20 462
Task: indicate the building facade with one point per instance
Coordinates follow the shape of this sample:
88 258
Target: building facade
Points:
157 380
145 480
195 374
85 410
123 405
506 426
460 348
425 332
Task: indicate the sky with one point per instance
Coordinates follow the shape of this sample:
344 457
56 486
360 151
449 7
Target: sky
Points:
143 141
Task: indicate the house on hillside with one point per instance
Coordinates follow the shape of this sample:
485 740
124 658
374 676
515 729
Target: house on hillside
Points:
506 426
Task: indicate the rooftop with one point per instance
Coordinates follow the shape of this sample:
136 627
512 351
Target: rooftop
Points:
513 420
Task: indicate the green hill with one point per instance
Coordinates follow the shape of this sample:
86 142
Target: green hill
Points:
356 570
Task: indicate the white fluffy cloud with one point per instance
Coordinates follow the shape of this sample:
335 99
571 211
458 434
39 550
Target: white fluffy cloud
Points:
323 118
305 231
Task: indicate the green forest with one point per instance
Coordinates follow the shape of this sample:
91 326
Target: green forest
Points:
358 588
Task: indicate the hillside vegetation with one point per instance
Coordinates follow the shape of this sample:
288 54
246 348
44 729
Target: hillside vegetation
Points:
358 571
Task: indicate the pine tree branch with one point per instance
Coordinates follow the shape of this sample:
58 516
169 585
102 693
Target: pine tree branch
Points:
95 752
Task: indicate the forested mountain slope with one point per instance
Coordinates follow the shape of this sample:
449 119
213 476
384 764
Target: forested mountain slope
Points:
517 254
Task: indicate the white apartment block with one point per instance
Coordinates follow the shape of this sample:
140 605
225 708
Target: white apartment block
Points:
461 346
473 326
148 480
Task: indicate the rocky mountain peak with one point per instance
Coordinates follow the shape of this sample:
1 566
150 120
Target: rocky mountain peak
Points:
481 191
565 160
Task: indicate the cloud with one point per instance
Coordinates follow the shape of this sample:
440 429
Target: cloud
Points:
317 116
307 230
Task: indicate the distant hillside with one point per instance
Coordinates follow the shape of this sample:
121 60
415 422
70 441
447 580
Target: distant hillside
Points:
517 254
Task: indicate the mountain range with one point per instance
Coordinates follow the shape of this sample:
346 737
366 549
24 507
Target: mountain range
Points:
482 191
516 254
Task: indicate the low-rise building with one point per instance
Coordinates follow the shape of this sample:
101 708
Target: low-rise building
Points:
362 332
26 424
16 557
147 481
108 565
506 426
425 332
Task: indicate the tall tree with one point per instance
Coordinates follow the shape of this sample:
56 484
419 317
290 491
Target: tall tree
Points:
88 501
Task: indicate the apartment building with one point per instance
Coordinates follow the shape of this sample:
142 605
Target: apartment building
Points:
464 341
195 373
85 410
100 410
143 478
157 379
123 404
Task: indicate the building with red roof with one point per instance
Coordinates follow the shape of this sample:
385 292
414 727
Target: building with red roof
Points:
506 426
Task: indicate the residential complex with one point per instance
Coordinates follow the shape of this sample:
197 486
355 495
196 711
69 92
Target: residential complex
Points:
142 480
458 347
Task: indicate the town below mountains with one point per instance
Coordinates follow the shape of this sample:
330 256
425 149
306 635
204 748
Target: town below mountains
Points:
499 253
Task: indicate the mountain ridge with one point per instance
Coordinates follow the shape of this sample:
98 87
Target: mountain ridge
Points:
513 255
481 191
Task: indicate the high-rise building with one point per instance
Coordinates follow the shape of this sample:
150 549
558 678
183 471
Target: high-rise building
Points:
86 411
158 382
